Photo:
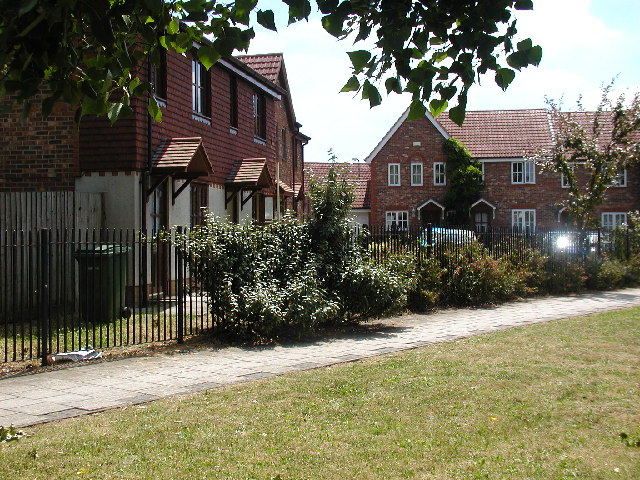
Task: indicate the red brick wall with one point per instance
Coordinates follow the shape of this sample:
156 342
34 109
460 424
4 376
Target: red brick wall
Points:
400 149
545 195
39 154
124 146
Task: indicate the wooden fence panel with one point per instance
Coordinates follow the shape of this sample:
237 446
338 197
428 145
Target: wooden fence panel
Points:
26 213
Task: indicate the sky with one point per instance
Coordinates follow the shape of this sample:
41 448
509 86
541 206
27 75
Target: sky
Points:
586 43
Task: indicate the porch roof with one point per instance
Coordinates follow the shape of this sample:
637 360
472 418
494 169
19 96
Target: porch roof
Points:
250 173
182 157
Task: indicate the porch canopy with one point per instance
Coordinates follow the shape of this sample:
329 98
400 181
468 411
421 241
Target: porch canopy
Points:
247 175
179 158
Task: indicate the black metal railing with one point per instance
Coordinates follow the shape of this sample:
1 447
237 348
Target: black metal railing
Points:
63 290
67 290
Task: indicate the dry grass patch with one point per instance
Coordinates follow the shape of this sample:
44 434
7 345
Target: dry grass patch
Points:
547 401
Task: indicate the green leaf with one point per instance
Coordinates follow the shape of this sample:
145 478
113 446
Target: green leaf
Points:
457 114
439 57
392 84
504 76
242 9
333 23
352 85
525 44
535 55
437 106
208 56
523 5
266 19
371 93
298 10
173 27
359 59
416 110
154 110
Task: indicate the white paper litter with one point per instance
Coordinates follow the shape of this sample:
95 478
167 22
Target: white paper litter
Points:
87 354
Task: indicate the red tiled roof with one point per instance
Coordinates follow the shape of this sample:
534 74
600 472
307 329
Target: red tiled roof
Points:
358 174
285 188
501 133
268 65
182 154
251 172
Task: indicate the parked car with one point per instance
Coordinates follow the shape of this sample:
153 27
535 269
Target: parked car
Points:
450 236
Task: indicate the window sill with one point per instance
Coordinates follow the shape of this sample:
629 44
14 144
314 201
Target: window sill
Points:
201 118
233 130
259 141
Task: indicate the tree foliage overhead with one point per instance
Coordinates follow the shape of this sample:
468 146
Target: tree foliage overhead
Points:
89 53
591 150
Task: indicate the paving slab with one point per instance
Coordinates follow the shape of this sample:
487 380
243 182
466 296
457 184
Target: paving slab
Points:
87 388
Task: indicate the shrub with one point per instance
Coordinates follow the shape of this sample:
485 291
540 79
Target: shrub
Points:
426 286
604 273
367 290
632 272
473 277
564 276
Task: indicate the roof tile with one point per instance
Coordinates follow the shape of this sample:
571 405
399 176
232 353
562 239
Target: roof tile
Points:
358 174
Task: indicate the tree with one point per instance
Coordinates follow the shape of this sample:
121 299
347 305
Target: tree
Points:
88 53
464 176
592 150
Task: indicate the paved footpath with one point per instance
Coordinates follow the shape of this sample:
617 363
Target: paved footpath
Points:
52 395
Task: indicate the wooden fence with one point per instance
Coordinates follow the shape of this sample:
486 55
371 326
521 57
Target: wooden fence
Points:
21 215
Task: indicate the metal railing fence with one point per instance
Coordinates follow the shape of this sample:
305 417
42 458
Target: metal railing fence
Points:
66 290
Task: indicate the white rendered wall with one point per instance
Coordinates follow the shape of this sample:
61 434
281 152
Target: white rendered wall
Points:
121 197
360 217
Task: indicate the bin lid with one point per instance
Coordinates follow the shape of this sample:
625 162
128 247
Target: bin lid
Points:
101 249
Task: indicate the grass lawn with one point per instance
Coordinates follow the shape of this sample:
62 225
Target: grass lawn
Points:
547 401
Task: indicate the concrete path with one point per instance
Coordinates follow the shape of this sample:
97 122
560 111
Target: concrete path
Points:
52 395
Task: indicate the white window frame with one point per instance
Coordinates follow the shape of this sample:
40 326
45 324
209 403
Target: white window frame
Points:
395 176
523 172
439 173
612 220
620 180
198 94
416 174
523 220
400 217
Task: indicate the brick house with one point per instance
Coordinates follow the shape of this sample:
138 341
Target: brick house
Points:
408 176
227 137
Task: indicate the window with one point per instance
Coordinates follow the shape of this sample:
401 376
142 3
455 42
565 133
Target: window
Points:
482 173
523 220
439 173
564 181
200 89
397 220
416 174
481 221
158 76
620 180
523 172
394 174
233 102
268 209
611 220
259 115
199 203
